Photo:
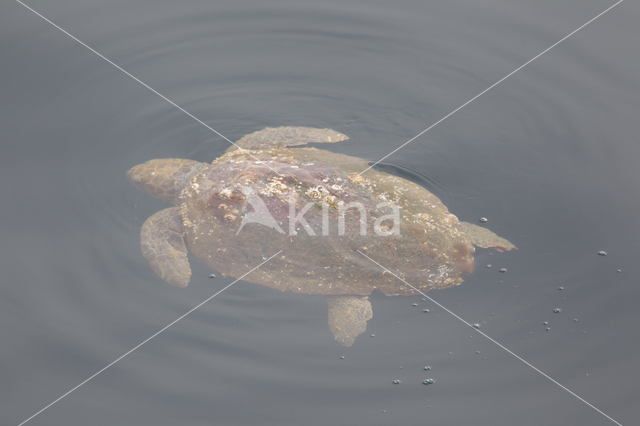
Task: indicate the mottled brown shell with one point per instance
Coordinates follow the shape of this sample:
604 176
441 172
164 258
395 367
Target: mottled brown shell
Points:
430 251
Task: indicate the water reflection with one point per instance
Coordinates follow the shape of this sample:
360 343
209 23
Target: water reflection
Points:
551 155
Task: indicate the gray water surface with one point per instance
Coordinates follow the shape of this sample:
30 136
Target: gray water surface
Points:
550 156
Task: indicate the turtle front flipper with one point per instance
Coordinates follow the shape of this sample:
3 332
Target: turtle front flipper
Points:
278 137
162 242
348 316
484 238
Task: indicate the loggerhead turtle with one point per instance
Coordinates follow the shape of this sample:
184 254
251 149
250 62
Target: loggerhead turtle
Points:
319 209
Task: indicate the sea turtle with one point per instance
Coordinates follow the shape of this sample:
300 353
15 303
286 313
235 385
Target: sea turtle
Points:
331 221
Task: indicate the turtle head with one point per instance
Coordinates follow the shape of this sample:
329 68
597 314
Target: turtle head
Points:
164 178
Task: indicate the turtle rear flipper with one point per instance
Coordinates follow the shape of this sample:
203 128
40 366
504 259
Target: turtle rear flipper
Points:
348 316
278 137
484 238
162 242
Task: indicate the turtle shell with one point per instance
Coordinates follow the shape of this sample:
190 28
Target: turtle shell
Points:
325 217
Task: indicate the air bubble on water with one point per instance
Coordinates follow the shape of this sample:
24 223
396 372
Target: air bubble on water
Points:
427 382
602 253
483 219
396 382
556 310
